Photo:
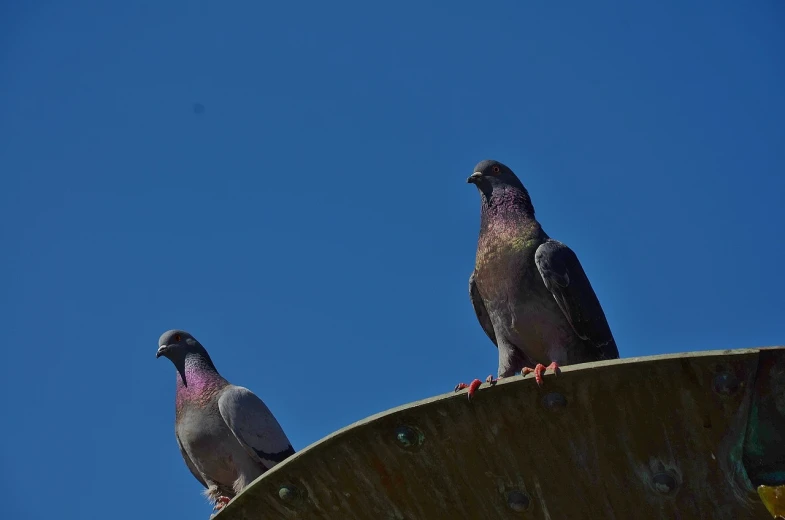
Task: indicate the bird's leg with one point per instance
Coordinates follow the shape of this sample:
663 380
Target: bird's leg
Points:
539 370
474 385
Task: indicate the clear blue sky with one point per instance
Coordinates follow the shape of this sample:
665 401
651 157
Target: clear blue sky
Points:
313 227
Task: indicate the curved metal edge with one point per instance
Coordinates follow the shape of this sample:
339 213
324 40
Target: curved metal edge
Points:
337 435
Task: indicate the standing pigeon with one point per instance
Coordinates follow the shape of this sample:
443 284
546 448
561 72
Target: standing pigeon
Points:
529 292
227 436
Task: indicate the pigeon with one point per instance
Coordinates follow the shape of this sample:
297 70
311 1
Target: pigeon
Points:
226 434
529 291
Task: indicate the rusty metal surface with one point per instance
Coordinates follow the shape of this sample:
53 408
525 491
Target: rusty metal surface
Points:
658 437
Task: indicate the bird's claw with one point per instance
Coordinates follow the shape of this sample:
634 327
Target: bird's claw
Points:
540 369
474 385
221 502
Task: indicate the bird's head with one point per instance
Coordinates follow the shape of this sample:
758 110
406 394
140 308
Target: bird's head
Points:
490 175
177 344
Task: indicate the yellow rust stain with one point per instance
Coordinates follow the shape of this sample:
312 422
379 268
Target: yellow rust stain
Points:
773 498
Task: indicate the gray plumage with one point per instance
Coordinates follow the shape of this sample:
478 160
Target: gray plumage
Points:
530 292
226 434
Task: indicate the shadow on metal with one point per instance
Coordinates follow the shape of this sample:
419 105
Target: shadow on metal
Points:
660 437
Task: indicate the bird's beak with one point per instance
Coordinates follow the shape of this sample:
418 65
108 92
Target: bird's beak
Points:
161 351
474 177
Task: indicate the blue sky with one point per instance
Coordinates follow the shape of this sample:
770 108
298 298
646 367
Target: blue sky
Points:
313 227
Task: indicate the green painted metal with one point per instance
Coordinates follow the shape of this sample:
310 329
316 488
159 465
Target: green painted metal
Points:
660 437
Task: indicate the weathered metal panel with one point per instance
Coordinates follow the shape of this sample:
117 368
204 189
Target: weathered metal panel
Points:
764 447
659 437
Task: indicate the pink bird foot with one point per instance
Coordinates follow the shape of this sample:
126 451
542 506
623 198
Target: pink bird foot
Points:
540 369
221 503
474 385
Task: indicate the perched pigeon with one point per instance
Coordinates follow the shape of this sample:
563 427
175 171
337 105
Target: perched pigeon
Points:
227 436
529 292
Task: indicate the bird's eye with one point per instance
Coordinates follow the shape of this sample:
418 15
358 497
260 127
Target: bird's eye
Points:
496 170
177 337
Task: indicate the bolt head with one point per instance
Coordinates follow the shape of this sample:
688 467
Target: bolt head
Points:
518 501
665 483
726 383
288 494
554 400
408 437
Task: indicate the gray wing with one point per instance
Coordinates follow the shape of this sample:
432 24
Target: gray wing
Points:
189 462
254 426
480 310
564 277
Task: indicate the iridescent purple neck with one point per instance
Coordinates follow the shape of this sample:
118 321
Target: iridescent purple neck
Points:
507 203
197 380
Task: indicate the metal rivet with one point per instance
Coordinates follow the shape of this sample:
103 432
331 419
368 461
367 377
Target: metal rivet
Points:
665 483
554 400
726 383
288 494
518 501
408 437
